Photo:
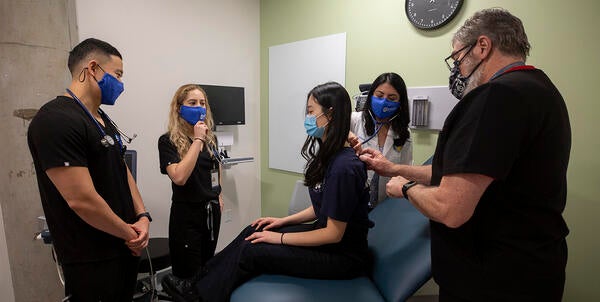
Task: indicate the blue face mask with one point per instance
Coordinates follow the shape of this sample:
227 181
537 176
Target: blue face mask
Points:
310 124
383 108
192 114
110 88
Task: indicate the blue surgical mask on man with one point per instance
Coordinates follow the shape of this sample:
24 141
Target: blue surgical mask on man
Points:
110 88
192 114
383 108
310 124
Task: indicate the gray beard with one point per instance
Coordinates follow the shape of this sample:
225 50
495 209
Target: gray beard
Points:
474 80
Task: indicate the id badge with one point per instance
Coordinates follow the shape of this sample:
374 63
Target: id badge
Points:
214 178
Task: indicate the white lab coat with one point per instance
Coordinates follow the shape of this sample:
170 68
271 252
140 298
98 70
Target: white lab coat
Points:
404 156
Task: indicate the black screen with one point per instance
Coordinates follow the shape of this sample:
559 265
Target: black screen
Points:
226 103
130 158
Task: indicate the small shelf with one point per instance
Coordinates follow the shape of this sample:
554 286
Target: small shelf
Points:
227 162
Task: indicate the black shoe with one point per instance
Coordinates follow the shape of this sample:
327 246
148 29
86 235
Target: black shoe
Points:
181 289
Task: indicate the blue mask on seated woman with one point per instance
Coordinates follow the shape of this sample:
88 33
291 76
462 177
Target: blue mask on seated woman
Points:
192 114
310 124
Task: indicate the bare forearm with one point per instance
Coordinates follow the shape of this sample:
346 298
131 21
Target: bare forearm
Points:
311 238
425 199
77 188
305 215
180 172
453 202
95 212
138 203
420 174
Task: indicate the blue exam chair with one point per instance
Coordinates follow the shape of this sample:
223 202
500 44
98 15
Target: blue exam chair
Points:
400 246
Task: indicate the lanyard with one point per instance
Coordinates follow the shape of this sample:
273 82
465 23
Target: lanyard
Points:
512 67
106 140
216 154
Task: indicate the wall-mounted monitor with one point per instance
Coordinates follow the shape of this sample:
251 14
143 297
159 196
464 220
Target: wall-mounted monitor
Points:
130 158
226 103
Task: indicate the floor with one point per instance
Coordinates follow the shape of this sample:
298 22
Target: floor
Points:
144 287
425 298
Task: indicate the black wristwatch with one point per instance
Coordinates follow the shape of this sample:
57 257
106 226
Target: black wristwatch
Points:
407 186
145 214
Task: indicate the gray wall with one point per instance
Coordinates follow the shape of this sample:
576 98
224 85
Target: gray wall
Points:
34 43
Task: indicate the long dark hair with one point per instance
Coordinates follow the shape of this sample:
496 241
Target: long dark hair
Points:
400 123
336 104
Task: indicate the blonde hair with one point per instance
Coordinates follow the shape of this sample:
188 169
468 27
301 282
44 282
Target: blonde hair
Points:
180 131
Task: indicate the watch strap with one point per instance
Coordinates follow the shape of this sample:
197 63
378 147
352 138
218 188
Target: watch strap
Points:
144 214
407 186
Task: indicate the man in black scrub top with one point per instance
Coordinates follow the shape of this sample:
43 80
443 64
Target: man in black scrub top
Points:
95 213
497 187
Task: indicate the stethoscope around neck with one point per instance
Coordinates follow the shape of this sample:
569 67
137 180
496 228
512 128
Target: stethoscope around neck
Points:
378 126
106 139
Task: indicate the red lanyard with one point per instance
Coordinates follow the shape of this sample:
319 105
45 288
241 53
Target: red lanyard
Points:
521 67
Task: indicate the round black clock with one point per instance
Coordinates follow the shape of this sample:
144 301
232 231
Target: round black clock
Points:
431 14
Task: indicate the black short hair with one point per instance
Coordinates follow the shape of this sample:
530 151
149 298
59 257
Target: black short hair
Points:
88 46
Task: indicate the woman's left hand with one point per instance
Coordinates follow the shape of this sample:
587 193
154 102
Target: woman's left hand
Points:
221 202
265 236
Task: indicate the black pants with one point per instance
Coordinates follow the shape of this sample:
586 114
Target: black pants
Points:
242 260
191 240
109 280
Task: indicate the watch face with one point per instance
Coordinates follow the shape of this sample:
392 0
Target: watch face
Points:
431 14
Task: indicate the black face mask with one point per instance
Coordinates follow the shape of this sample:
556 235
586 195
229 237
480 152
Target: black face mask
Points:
458 83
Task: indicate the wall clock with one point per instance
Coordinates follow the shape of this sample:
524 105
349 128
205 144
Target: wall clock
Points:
431 14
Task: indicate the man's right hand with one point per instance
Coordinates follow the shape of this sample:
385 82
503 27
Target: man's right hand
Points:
377 162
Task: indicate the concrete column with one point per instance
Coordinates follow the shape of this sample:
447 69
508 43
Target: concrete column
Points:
35 38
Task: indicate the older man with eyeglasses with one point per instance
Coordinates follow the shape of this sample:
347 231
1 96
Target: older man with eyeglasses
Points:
497 187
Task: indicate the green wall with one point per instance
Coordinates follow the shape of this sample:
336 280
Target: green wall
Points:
565 44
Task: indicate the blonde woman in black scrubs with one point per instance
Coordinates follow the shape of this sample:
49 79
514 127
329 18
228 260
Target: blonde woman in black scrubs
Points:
188 155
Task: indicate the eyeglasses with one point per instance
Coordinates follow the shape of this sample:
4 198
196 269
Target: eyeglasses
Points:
450 61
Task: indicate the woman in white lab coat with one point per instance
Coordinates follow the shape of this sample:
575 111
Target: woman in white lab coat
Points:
383 125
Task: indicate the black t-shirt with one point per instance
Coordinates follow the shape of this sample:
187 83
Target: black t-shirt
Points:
344 196
516 130
198 187
62 135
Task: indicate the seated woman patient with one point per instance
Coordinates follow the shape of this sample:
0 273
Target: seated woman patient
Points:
332 246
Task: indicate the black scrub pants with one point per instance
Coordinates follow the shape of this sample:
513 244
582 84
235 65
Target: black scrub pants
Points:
192 241
107 280
242 260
